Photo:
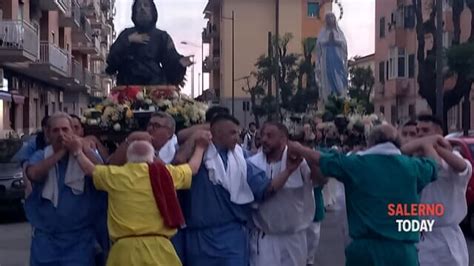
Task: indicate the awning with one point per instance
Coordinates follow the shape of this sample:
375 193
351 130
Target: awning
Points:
5 96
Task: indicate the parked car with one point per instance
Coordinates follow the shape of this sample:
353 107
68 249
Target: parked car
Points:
465 146
12 186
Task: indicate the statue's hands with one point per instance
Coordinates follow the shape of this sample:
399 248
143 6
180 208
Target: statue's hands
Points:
186 61
140 38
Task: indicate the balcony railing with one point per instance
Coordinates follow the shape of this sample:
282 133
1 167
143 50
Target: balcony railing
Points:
87 28
53 55
97 82
76 12
78 72
65 5
88 78
17 34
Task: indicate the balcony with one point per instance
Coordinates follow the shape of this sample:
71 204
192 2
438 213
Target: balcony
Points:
402 87
205 36
92 9
73 18
98 22
209 32
54 58
101 55
88 79
211 64
19 41
89 47
78 72
83 34
96 82
64 6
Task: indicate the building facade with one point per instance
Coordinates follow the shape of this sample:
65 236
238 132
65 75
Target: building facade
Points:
52 58
396 88
253 22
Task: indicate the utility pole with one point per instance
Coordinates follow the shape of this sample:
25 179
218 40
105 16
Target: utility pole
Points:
192 78
439 60
202 65
277 46
199 83
233 62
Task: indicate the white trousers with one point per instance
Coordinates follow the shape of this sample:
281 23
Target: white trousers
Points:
313 235
278 250
444 246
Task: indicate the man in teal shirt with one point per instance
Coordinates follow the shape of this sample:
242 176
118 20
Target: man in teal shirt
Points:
373 179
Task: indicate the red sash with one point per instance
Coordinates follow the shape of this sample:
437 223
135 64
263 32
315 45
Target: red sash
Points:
165 195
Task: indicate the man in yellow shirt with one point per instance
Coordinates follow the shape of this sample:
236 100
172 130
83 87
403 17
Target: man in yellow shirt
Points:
136 225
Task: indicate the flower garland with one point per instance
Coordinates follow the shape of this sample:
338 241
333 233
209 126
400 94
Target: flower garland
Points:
122 109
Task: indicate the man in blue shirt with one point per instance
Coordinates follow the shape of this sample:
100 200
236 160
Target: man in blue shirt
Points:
62 207
216 210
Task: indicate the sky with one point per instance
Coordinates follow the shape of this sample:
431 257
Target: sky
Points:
184 21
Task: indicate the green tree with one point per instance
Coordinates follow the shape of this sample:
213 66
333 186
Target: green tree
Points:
294 71
361 85
459 56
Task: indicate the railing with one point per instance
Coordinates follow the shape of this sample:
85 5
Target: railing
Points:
97 43
97 82
17 34
88 79
78 72
86 26
76 12
51 54
65 5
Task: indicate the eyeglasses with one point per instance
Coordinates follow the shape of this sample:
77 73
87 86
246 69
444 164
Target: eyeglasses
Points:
156 125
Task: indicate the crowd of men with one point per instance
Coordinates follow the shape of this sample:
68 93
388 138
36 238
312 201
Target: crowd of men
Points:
206 197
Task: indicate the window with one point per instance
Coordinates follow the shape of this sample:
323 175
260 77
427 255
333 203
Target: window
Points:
411 66
392 63
313 9
394 114
397 63
411 111
382 110
382 27
409 17
401 63
386 70
382 72
21 11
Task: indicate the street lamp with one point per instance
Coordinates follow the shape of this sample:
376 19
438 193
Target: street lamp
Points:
202 63
233 58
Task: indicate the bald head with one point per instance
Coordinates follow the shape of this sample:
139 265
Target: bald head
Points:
140 151
383 133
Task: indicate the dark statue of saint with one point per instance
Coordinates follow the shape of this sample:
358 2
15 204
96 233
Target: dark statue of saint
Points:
145 55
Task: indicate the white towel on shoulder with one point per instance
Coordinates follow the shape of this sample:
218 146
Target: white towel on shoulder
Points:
74 178
168 151
296 178
234 178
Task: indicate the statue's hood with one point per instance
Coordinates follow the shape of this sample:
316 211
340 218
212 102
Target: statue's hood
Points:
154 15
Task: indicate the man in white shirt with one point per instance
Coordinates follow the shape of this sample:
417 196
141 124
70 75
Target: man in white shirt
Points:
249 138
162 130
446 244
281 221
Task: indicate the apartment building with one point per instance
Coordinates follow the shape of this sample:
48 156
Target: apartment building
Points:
52 58
252 23
396 88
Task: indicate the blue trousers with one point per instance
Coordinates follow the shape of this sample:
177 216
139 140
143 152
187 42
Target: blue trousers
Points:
65 249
